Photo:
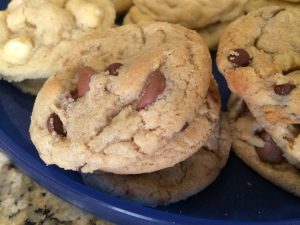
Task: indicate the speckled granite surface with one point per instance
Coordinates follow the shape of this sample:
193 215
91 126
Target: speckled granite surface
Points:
23 202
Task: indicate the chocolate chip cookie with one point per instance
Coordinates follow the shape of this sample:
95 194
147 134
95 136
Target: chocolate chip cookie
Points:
36 35
134 100
172 184
256 147
259 56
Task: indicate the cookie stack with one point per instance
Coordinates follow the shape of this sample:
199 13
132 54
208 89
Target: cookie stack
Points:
36 36
259 56
138 107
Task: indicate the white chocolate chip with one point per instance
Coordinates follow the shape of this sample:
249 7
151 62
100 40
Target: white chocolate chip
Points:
17 50
87 14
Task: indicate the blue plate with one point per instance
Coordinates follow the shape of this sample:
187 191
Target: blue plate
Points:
238 195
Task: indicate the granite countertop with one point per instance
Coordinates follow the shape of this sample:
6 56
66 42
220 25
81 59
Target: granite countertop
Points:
23 202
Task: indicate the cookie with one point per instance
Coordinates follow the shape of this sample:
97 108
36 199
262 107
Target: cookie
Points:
36 35
192 14
252 5
122 6
172 184
208 17
253 145
30 86
122 100
260 60
211 34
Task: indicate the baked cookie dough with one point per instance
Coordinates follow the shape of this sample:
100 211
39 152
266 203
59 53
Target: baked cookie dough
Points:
122 6
172 184
259 56
253 145
207 17
122 100
189 13
30 86
252 5
36 35
211 34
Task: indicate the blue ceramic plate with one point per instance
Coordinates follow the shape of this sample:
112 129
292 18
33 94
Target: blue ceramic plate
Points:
238 195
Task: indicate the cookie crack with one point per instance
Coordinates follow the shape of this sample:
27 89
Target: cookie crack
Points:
271 54
143 35
212 152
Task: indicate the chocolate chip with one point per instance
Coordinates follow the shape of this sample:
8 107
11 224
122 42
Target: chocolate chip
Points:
284 89
184 127
46 211
275 12
156 86
290 70
38 210
54 124
270 153
294 129
29 189
245 108
113 69
74 95
83 83
239 57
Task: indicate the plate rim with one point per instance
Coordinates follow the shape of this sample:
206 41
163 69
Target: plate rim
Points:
117 206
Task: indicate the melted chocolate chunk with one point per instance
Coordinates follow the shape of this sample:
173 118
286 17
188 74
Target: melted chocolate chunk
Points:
156 86
270 153
284 89
239 57
185 126
54 124
113 69
83 84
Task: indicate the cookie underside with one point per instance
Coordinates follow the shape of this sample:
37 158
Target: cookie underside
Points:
283 175
172 184
30 86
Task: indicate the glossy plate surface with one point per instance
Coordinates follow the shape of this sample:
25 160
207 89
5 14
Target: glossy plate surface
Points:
238 195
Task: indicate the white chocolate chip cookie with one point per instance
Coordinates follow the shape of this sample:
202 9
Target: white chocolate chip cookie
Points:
122 100
36 35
